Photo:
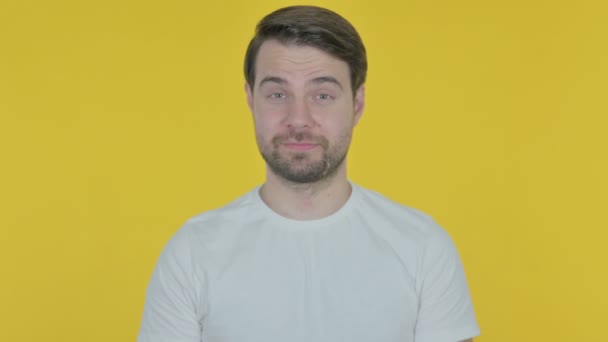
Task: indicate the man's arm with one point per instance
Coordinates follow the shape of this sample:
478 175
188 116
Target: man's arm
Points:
171 311
445 312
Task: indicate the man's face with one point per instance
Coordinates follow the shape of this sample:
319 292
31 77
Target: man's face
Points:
303 110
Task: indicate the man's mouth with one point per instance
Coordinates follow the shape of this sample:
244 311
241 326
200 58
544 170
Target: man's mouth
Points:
300 141
300 146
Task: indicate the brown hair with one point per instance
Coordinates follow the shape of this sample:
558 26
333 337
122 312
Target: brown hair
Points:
311 26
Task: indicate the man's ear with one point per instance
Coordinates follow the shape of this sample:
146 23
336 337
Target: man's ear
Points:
249 93
359 101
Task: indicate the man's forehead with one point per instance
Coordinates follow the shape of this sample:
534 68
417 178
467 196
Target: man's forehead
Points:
280 62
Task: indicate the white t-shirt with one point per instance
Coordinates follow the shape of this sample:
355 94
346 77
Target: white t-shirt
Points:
374 271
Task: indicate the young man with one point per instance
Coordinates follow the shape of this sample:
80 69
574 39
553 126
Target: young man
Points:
308 256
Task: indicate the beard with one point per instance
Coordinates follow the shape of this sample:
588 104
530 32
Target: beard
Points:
302 167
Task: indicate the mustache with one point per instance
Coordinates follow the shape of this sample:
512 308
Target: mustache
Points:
293 136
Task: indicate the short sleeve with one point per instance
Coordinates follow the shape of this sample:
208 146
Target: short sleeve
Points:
445 309
174 305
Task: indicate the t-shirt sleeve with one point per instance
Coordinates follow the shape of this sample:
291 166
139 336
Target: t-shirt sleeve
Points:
445 309
174 305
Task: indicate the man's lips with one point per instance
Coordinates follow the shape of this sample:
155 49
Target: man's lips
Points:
300 146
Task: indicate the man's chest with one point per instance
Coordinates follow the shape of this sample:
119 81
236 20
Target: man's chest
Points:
311 293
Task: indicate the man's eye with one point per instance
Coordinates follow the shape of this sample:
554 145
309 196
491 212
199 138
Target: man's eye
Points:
324 97
277 96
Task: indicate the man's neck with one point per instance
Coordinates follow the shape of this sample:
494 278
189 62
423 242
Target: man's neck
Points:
308 201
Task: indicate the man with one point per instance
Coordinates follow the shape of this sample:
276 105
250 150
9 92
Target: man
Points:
308 256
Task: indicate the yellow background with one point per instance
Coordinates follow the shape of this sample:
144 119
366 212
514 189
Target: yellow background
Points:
121 119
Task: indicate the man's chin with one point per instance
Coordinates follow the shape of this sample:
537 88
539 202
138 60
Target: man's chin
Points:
302 178
301 172
300 160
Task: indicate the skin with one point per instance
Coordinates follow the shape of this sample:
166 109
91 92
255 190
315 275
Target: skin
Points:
304 111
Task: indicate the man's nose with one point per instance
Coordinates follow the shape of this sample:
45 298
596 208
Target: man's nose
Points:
299 114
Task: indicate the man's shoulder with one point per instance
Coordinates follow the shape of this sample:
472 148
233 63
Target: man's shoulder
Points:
231 214
390 213
210 231
234 210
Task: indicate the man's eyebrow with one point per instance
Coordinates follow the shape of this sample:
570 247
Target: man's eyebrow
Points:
326 79
272 79
315 81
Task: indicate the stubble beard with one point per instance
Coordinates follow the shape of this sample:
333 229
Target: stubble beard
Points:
299 167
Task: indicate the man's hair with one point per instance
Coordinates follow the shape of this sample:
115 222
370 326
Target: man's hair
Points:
310 26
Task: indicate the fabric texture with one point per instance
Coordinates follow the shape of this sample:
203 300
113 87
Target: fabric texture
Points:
374 271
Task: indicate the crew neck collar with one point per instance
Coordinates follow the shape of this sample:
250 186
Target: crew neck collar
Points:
315 223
